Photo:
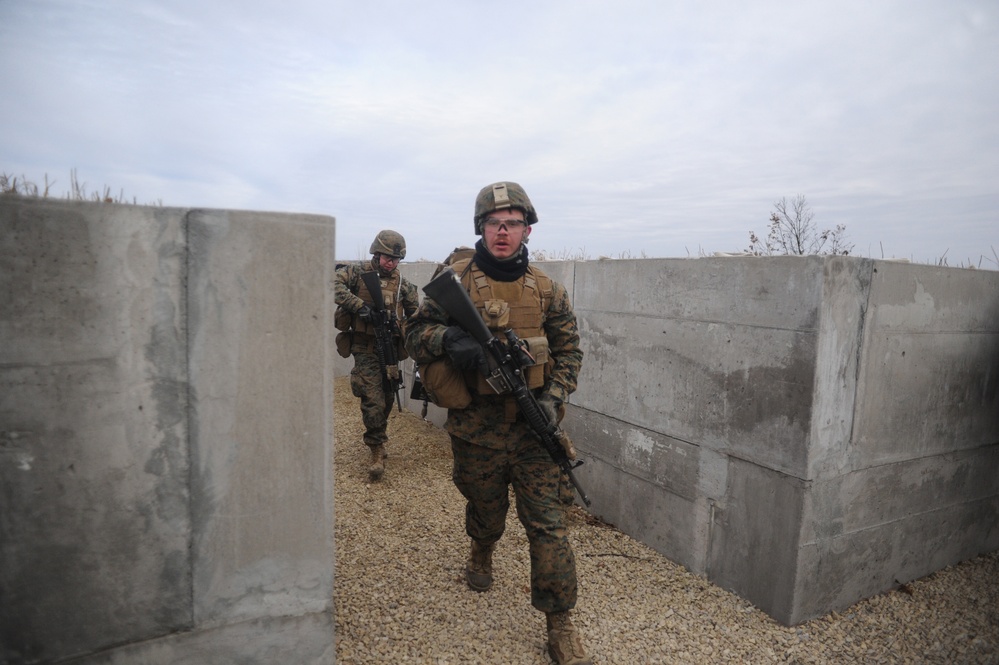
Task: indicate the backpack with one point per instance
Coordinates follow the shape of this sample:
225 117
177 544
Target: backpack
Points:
457 254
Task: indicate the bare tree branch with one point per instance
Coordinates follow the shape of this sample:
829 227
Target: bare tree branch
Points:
792 231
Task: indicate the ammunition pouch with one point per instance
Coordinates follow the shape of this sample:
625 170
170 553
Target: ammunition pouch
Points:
342 319
343 344
496 314
359 337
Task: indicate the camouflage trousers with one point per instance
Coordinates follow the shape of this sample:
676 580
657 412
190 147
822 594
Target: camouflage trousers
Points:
483 476
376 404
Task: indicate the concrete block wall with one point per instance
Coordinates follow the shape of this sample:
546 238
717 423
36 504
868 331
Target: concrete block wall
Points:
915 485
165 435
804 431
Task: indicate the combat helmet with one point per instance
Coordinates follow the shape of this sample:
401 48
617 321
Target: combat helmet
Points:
389 243
502 196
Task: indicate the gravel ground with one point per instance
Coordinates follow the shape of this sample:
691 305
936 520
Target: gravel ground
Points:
400 593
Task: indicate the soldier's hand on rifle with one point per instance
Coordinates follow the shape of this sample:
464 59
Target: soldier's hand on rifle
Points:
365 313
551 406
464 351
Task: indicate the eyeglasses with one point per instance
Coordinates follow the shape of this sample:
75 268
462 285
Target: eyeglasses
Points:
492 223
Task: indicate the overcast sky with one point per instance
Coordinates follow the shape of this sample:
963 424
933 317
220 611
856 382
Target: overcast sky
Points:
638 128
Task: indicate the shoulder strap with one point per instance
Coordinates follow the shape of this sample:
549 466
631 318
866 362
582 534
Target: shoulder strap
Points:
544 284
457 255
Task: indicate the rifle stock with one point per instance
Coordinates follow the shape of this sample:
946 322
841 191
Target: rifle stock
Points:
447 291
506 362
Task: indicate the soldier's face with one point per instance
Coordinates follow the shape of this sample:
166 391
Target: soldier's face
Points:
387 263
503 232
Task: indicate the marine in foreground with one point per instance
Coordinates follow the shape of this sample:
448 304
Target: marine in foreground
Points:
492 442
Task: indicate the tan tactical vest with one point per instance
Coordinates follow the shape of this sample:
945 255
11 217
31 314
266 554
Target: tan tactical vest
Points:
521 306
363 334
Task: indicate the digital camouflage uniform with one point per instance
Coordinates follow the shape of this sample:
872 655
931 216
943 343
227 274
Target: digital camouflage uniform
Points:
493 448
366 377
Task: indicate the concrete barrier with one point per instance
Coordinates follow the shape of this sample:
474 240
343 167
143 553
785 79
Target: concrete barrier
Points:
165 435
804 431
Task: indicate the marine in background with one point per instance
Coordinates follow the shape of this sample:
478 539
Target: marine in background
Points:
357 338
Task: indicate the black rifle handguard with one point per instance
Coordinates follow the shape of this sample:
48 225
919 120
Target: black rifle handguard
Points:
384 323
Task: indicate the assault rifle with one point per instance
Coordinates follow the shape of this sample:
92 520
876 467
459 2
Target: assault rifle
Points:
507 362
385 323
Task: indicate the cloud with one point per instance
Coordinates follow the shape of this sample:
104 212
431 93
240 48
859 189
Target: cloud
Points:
637 126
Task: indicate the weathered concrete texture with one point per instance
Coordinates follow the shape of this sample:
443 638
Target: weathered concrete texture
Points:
806 431
259 323
265 641
705 368
165 424
842 311
935 329
646 476
93 429
756 527
714 352
917 486
869 530
849 408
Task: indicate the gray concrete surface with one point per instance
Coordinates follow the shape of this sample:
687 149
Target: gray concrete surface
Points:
806 432
165 434
803 431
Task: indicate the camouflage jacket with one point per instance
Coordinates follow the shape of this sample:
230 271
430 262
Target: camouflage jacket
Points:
484 421
347 284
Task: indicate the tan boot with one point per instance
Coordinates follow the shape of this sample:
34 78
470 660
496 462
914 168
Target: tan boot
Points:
479 568
564 644
377 467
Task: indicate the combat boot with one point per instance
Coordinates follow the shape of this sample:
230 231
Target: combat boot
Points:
377 467
564 644
479 568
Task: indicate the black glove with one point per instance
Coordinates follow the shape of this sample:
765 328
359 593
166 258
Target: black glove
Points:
364 313
550 405
464 351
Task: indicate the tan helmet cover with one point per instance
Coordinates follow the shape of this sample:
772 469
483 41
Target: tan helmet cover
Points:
389 243
502 196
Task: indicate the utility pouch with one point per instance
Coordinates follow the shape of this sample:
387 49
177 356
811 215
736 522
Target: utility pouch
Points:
535 374
342 319
538 348
343 341
445 384
496 314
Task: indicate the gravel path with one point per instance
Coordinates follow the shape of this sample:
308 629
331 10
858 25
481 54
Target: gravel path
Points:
400 593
